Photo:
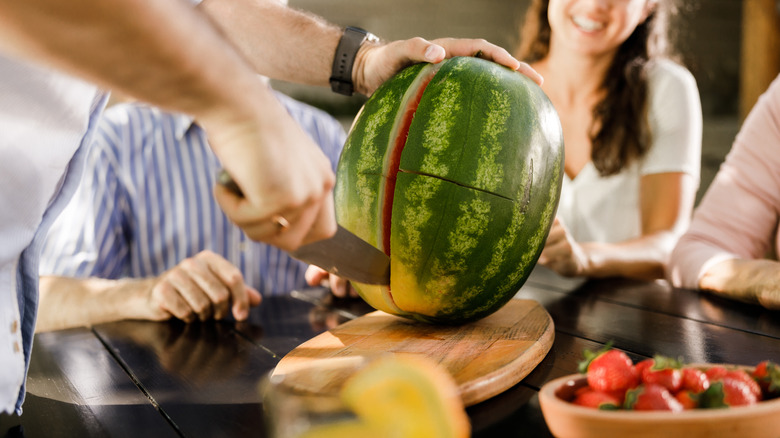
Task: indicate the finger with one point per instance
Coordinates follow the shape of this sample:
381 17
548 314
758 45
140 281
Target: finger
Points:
434 53
556 235
554 261
339 286
554 253
255 297
240 307
529 71
769 298
152 308
267 220
415 50
544 257
168 299
238 296
204 271
159 313
297 197
314 223
315 275
225 285
189 290
559 250
301 225
311 221
258 224
478 47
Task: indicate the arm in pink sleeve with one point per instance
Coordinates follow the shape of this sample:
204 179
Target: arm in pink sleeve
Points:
738 216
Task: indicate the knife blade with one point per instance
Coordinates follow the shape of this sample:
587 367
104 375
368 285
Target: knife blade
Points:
344 254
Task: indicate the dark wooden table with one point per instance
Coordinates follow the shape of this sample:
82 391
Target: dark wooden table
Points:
146 379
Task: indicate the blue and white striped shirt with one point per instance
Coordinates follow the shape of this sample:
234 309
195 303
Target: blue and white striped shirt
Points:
146 202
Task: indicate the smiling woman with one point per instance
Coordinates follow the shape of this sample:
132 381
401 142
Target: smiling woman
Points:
632 127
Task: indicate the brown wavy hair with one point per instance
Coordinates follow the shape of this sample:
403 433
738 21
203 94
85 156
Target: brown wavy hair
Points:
620 131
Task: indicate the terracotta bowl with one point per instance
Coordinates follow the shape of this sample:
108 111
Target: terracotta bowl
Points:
567 420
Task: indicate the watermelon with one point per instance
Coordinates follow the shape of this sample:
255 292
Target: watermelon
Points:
454 170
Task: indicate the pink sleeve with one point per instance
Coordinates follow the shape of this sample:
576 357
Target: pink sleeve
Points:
738 216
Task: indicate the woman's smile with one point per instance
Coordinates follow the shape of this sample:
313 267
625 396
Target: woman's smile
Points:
586 24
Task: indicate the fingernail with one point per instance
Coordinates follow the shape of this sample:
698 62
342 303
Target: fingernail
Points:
433 53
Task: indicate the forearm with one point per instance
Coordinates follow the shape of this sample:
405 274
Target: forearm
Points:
163 52
752 281
303 45
76 302
642 258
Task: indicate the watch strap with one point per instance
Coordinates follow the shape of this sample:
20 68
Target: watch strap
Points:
344 59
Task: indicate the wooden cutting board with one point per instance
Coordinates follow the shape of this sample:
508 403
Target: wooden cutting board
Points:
485 357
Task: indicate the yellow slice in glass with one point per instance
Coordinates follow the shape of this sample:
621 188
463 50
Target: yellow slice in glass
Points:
407 396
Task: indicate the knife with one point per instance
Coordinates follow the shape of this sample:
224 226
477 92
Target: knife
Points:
344 254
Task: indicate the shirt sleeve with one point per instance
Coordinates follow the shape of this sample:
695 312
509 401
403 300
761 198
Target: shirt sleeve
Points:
675 119
88 238
738 216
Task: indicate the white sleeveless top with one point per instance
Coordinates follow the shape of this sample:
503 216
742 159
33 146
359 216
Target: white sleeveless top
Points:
607 209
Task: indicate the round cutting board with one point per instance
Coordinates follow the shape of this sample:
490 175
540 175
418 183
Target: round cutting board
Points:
485 357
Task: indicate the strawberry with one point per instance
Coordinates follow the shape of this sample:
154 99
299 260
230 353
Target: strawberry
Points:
694 380
767 374
663 371
726 392
688 399
744 376
716 372
651 397
609 370
641 365
590 398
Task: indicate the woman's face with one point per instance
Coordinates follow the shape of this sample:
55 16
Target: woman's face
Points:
595 27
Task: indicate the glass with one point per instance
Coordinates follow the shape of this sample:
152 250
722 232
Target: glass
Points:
292 413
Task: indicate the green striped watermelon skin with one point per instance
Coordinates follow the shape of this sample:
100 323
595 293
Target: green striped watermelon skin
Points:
361 172
476 192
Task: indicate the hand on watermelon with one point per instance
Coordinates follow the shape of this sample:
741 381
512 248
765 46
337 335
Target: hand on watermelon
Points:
376 63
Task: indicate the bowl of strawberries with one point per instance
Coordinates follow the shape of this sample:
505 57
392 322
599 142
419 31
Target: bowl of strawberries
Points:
613 396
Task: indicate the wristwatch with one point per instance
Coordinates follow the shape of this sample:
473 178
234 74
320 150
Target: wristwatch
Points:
344 59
